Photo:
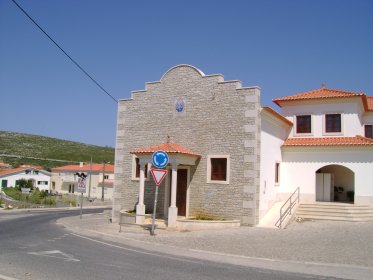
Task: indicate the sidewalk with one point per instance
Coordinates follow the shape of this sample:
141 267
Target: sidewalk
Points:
333 244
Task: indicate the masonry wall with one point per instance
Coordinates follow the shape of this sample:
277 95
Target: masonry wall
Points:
221 118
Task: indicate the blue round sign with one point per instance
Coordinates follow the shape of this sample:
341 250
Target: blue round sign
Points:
160 159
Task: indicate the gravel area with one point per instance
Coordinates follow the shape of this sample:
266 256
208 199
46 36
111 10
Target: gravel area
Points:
307 241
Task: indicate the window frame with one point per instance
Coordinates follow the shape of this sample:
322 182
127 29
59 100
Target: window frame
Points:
134 167
324 123
228 168
277 173
365 134
296 133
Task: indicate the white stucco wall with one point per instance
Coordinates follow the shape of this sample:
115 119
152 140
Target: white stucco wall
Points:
63 180
36 177
300 165
351 110
273 134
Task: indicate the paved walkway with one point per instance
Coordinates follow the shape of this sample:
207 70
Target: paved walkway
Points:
342 243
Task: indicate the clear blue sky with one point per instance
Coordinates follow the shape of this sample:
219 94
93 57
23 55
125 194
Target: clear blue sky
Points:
284 47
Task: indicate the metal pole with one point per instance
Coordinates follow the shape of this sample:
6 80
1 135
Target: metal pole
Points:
81 206
103 182
90 179
155 209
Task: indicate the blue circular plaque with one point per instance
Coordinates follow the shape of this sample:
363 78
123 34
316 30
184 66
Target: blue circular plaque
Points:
160 159
180 106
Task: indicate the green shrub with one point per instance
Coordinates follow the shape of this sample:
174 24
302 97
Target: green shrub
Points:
13 193
68 200
207 217
48 201
35 197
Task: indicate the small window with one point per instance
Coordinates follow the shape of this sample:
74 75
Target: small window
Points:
218 169
4 183
277 172
43 183
369 131
106 177
333 123
136 174
303 124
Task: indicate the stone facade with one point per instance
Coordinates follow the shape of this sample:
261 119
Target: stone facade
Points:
220 118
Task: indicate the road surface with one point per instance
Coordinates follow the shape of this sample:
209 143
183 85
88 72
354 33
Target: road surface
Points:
33 246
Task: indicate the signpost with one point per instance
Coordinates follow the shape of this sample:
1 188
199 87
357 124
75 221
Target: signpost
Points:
159 160
81 188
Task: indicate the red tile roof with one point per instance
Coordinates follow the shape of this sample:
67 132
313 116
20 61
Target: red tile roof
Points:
168 147
96 167
277 115
370 103
328 141
19 169
325 93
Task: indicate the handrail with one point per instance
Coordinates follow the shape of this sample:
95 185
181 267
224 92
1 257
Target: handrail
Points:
292 203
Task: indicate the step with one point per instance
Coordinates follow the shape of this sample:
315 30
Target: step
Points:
337 214
335 218
335 205
334 210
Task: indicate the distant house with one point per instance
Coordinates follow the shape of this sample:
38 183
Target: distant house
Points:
4 165
65 179
39 177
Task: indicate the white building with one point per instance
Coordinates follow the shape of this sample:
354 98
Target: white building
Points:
322 143
39 177
64 179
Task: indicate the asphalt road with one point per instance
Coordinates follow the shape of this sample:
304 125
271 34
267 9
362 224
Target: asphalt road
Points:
33 246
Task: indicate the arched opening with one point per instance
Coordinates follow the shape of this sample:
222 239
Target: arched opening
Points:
335 183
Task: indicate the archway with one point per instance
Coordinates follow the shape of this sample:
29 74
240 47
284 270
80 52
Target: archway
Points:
335 183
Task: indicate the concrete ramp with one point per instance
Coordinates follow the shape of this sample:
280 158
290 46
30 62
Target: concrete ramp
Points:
272 216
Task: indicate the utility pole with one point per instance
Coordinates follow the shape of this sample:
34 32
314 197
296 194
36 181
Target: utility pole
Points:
90 180
103 182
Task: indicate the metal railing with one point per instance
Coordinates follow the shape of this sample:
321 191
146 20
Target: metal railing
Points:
128 219
286 208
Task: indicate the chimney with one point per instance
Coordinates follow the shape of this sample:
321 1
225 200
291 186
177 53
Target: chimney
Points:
81 164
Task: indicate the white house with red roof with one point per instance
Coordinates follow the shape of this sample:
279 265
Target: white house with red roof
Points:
39 177
322 143
64 179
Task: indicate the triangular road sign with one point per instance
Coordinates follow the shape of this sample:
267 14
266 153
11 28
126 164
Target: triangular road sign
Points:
158 175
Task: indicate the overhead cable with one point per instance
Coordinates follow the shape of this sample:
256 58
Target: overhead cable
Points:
58 46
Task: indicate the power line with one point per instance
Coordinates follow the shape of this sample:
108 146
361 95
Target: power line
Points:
58 46
46 159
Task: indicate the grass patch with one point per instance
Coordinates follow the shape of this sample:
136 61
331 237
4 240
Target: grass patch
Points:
206 217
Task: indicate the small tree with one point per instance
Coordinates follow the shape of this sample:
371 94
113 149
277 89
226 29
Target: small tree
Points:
23 183
35 197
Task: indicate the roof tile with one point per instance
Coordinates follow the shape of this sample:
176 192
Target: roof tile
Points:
328 141
97 167
168 147
321 93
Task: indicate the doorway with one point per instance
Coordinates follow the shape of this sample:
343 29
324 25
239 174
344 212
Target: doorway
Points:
181 194
181 191
335 183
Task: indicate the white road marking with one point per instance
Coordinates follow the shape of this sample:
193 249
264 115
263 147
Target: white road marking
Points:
6 277
55 254
134 250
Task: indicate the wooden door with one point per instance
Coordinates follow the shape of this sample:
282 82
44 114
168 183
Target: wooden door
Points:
181 194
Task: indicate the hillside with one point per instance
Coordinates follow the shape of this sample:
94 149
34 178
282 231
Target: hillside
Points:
28 145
